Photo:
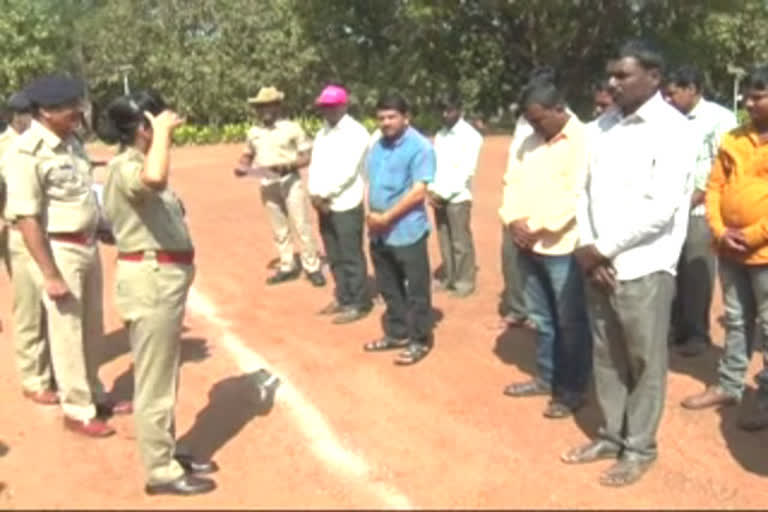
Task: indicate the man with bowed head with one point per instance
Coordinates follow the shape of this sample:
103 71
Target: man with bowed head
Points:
632 221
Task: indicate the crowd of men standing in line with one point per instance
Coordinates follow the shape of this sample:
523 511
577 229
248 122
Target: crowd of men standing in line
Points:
612 231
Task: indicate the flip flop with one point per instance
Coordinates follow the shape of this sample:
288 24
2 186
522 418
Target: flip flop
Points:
412 354
385 343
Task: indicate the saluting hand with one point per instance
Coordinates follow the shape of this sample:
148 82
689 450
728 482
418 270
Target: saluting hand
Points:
165 122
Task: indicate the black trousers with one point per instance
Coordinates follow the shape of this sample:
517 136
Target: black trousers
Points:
342 234
403 278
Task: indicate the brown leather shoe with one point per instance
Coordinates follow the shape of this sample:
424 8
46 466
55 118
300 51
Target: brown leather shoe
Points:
713 396
91 428
43 397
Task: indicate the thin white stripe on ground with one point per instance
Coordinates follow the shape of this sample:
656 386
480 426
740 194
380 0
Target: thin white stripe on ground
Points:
311 422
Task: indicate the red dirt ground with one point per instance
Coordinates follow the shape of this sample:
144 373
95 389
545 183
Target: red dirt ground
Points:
440 433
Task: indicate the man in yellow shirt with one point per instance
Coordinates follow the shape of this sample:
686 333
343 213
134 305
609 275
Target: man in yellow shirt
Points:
737 211
541 191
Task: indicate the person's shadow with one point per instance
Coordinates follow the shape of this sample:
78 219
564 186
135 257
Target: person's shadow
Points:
232 404
517 347
192 350
745 447
702 367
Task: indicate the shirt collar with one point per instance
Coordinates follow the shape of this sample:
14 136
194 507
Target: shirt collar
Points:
456 128
567 130
133 153
338 126
648 110
49 138
697 109
398 141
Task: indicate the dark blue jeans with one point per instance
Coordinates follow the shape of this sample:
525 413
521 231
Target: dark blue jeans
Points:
555 300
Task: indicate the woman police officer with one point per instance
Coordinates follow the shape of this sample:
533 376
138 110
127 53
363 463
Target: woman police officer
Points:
154 273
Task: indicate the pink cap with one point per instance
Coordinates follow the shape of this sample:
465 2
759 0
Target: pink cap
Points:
332 95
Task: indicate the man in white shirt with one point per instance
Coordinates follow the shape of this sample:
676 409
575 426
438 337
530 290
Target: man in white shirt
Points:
336 190
457 148
696 269
632 221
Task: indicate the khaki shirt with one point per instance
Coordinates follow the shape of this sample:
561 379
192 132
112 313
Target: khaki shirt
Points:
142 218
51 178
277 145
6 139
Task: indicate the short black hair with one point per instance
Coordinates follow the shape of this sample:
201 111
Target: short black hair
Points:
686 76
757 78
125 114
450 100
643 51
392 101
541 92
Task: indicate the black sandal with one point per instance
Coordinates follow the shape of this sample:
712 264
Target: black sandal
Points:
412 354
385 343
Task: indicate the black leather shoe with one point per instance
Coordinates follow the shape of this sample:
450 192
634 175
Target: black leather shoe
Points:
316 278
282 276
186 485
197 467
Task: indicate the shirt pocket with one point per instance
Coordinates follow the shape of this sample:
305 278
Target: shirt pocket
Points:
64 178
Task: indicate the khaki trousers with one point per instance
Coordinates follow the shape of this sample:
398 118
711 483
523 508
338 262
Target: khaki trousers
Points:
75 327
286 204
151 299
630 329
30 341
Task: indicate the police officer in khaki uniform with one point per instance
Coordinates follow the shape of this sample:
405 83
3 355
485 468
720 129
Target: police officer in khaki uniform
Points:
50 201
154 273
280 148
31 347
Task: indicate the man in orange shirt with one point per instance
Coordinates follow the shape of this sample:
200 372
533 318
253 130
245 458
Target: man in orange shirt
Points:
737 211
541 192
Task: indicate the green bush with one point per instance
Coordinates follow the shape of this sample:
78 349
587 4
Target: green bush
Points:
194 134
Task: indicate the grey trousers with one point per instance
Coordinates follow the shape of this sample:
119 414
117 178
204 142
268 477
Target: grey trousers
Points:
457 248
630 329
512 300
695 283
745 300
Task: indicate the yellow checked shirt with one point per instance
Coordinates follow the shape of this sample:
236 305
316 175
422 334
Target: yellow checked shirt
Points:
142 218
280 144
50 178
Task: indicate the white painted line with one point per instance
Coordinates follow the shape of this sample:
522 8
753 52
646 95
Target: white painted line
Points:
322 440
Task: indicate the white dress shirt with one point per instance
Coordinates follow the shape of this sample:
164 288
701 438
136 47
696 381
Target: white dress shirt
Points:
457 150
710 122
337 160
635 205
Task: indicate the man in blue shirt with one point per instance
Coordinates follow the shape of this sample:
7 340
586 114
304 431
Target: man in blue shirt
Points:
400 166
